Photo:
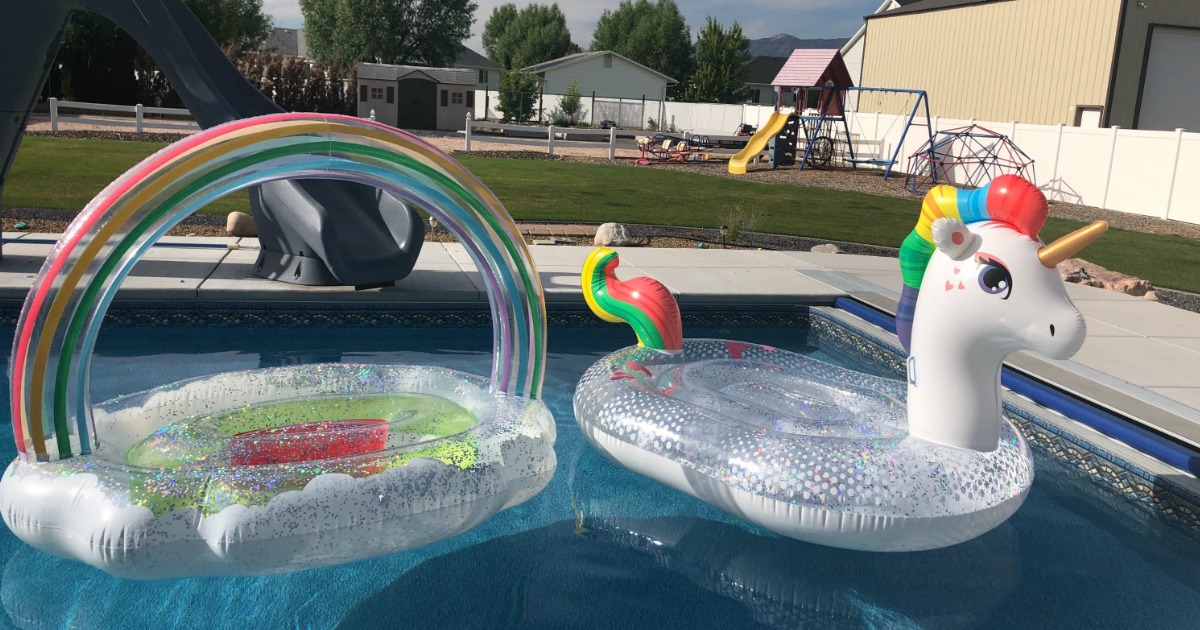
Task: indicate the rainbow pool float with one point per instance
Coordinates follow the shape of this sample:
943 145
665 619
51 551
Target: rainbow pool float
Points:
279 469
825 454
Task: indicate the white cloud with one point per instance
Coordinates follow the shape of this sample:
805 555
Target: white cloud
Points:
759 18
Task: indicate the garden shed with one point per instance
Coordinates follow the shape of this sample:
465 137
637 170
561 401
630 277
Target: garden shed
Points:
416 97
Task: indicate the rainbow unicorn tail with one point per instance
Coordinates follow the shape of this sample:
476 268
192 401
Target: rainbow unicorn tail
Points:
643 303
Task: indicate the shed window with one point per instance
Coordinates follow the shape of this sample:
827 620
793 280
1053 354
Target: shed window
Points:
470 99
445 97
391 92
483 76
376 94
756 94
607 61
362 93
456 98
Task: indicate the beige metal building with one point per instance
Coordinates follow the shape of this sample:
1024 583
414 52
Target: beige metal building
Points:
1130 63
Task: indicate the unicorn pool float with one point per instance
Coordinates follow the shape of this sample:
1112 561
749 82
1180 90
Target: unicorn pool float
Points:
825 454
279 469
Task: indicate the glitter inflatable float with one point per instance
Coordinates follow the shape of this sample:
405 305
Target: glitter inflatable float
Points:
822 453
277 469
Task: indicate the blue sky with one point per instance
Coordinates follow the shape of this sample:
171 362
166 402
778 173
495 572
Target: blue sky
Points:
759 18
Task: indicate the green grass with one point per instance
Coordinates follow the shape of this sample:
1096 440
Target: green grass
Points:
68 172
534 190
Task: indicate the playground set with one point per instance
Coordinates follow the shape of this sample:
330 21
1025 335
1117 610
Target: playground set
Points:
820 134
967 156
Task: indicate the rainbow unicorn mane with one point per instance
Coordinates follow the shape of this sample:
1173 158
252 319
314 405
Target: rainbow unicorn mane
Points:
1008 199
643 303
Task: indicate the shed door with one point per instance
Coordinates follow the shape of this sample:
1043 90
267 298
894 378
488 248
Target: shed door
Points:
418 104
1171 93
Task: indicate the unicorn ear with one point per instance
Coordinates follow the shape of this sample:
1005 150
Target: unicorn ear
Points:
954 239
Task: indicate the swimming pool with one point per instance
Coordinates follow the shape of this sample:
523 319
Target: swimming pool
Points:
602 547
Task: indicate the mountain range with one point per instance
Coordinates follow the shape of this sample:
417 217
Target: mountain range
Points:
782 45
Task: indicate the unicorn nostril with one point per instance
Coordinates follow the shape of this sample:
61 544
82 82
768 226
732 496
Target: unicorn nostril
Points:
1051 330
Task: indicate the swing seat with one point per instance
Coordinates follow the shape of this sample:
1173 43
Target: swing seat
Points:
873 160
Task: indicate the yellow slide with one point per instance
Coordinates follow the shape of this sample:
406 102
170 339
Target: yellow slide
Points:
737 163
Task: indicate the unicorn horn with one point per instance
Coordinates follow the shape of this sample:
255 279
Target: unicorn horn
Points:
1069 245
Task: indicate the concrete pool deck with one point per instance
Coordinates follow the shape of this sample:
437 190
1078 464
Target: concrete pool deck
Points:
1141 358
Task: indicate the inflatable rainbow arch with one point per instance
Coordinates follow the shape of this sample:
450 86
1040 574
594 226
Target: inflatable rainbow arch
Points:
52 410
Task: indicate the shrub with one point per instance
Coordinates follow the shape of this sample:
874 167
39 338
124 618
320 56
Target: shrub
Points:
518 95
571 104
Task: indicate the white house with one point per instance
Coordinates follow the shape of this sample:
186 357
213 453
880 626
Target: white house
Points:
487 72
604 73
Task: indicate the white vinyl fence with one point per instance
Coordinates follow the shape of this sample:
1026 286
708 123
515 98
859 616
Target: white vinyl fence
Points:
139 122
1129 170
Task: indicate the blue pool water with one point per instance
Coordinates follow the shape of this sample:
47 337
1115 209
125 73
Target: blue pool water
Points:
601 547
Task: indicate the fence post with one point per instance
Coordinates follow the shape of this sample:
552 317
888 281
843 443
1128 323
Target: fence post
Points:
541 101
550 141
1112 155
487 96
53 115
1012 135
468 133
139 116
1174 171
372 115
612 143
593 112
1057 153
937 122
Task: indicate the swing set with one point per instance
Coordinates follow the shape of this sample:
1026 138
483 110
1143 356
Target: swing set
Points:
819 130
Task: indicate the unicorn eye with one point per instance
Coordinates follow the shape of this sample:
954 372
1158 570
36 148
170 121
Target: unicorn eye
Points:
994 277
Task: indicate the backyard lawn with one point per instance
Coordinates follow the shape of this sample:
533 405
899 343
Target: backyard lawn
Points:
67 173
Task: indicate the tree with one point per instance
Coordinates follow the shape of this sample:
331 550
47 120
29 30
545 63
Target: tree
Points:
99 59
239 23
424 32
652 34
518 93
519 38
721 58
571 103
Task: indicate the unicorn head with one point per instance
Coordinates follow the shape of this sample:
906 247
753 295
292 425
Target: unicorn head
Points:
978 286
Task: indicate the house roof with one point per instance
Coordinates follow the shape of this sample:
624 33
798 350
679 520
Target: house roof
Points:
763 69
287 41
468 58
540 68
921 6
807 66
389 72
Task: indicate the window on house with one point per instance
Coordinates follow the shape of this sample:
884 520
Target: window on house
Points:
483 76
376 94
756 95
362 93
607 61
456 98
391 95
445 97
471 99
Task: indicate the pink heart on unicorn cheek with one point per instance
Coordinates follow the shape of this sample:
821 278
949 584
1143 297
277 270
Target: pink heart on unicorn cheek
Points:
949 285
960 285
956 270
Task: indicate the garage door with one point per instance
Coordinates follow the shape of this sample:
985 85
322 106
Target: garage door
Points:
1171 93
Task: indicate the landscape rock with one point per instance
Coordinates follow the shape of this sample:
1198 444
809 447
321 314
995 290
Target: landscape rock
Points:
1151 295
827 248
240 224
612 235
1093 275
